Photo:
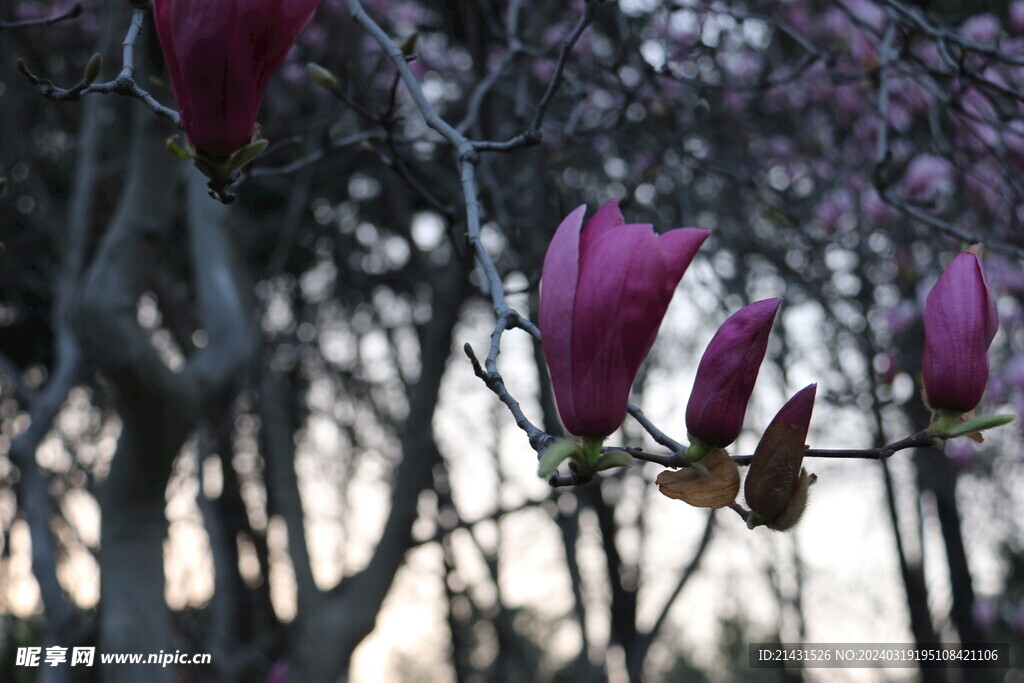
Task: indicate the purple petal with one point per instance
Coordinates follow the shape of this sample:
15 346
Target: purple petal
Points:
798 409
960 321
607 218
220 57
555 317
614 315
727 372
679 247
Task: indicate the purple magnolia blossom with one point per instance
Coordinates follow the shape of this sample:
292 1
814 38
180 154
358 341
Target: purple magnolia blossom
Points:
981 28
604 292
959 323
727 372
220 57
928 176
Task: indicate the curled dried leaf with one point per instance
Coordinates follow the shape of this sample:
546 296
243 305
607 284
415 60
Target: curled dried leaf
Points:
716 490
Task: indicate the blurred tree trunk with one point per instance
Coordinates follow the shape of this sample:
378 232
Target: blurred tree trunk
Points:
158 407
330 625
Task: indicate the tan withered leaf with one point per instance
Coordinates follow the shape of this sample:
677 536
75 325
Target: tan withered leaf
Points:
774 470
716 491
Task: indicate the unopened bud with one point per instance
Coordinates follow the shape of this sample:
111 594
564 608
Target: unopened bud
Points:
774 470
960 320
716 490
321 76
408 44
92 69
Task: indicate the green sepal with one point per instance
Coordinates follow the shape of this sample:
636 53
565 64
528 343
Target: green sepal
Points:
942 429
321 76
755 520
697 450
614 458
591 449
244 155
554 455
176 150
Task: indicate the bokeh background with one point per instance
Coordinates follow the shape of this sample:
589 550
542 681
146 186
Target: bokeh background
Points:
252 430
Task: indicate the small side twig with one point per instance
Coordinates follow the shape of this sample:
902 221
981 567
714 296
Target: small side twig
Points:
124 84
75 11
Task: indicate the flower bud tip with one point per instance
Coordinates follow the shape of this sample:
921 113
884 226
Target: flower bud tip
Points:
321 76
92 70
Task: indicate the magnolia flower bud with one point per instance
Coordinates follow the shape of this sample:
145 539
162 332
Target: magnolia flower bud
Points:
321 76
92 69
716 490
220 57
727 372
604 291
959 323
775 476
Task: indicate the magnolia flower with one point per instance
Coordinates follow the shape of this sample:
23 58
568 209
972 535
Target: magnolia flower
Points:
220 55
727 372
959 323
604 292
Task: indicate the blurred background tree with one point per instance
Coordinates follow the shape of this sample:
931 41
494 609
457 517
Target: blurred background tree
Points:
264 410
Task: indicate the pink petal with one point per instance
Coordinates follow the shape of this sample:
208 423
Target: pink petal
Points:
607 218
613 309
727 373
798 409
555 317
960 321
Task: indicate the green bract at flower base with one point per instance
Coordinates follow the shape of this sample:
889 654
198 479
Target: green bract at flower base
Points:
696 452
587 457
222 172
947 425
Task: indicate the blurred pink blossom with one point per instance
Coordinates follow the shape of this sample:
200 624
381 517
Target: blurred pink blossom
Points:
981 28
927 177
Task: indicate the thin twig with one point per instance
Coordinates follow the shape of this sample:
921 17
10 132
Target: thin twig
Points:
124 84
75 11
